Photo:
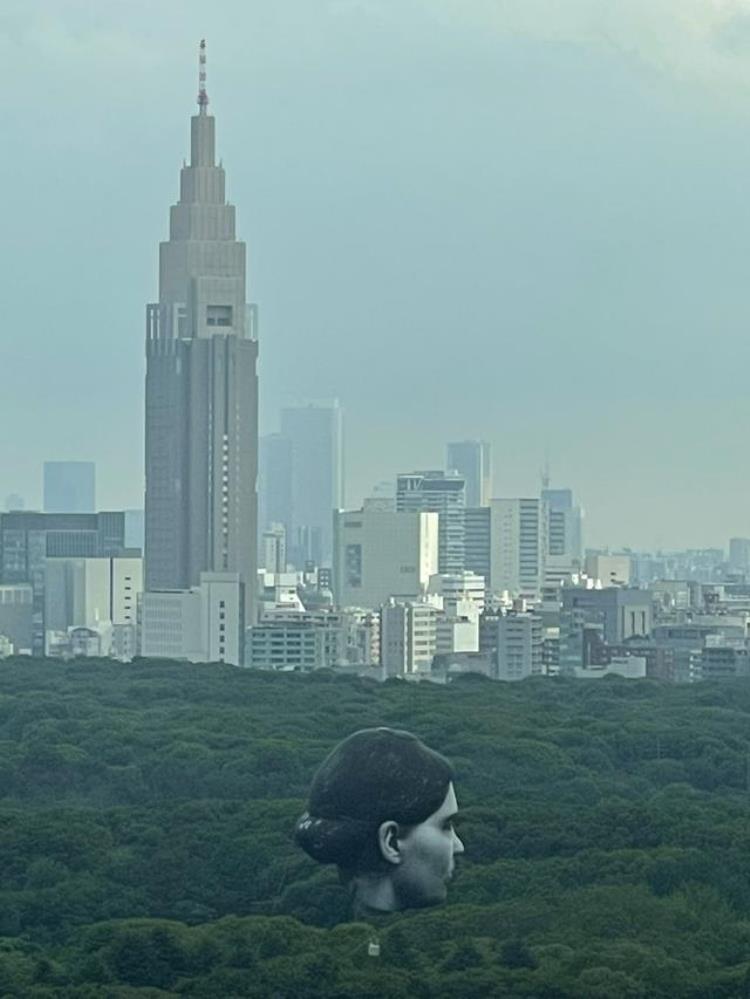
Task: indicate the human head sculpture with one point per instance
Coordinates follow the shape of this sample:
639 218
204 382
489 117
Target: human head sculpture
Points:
381 808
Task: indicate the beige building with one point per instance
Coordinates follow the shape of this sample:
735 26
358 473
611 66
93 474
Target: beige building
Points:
380 554
518 539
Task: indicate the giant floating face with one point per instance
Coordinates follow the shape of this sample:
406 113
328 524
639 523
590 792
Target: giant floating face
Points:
382 807
428 853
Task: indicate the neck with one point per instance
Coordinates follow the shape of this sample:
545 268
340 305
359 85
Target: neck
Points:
374 894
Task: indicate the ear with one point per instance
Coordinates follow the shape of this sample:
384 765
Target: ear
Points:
388 842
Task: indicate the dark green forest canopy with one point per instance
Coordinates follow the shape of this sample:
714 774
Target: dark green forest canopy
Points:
147 809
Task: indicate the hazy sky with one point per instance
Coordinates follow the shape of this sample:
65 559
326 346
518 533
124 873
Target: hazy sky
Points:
520 220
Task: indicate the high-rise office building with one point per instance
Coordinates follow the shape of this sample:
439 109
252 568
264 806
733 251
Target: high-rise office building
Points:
518 531
315 436
273 549
274 482
472 460
201 387
564 554
739 554
477 541
437 492
134 529
69 487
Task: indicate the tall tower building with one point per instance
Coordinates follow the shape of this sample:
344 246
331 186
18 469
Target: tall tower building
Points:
436 492
518 533
69 487
472 460
564 519
315 435
201 387
274 483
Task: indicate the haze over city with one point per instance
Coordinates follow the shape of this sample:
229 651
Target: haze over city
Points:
524 223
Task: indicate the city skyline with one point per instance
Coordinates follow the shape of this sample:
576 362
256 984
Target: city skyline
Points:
621 242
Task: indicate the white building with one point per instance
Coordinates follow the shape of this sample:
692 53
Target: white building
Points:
286 645
457 587
88 642
202 624
518 645
99 594
314 639
457 633
459 598
378 554
408 637
628 667
609 570
518 532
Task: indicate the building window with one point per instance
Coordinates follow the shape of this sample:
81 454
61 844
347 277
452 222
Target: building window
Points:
353 565
218 315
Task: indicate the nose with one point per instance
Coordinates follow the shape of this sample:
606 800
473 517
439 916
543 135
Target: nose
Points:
458 846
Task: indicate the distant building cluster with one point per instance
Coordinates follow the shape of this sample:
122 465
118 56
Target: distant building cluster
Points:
245 551
418 585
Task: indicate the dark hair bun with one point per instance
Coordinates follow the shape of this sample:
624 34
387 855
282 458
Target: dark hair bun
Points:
333 841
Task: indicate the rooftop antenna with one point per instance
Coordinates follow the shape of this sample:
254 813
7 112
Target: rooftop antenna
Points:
545 476
202 95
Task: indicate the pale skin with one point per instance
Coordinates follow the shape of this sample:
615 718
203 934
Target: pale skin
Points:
418 862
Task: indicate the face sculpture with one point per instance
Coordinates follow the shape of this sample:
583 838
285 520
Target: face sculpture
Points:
382 806
427 857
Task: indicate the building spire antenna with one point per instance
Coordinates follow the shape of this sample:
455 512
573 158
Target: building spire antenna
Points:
545 474
202 95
